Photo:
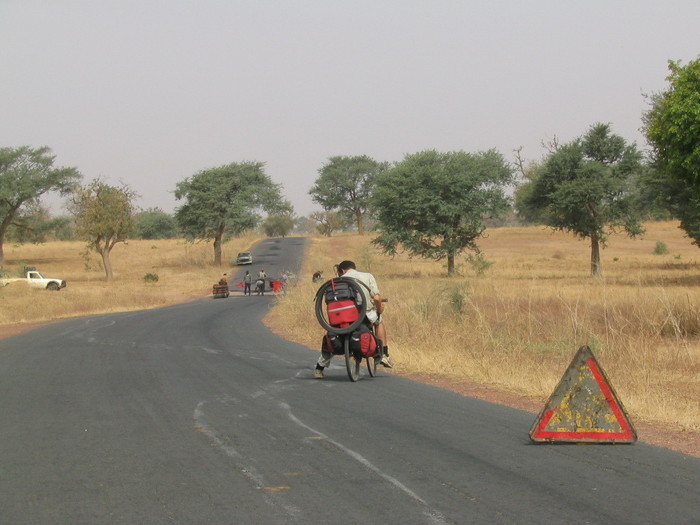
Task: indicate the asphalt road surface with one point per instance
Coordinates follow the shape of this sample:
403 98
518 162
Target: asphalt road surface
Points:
198 414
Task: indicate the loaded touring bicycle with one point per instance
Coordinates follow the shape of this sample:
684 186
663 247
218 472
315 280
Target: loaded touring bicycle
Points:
340 307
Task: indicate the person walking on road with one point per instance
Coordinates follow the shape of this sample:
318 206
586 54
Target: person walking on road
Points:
261 278
247 281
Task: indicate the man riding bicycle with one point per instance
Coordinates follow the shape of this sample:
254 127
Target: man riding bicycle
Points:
373 314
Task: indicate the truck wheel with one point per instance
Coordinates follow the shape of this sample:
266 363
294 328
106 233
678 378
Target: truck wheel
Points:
52 286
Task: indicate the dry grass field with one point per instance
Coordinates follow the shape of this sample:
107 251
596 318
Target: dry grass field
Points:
184 271
513 327
516 325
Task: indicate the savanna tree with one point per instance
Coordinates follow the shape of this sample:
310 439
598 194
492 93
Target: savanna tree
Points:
328 222
154 223
433 204
588 187
672 127
345 185
225 201
104 216
279 225
25 175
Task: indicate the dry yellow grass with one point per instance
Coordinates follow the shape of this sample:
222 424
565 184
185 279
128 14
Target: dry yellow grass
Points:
517 326
184 270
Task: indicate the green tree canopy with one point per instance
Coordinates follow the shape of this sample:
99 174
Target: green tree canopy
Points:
34 224
25 174
154 223
587 187
226 201
434 204
672 127
279 225
345 184
104 216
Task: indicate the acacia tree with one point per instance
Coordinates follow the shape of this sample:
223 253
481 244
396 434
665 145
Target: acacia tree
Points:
434 204
154 223
587 187
672 127
104 216
345 184
328 222
224 201
25 174
279 225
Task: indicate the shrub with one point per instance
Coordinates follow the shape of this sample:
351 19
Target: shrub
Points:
478 263
660 248
151 278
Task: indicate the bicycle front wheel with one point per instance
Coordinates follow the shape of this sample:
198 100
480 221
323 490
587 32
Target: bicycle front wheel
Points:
351 364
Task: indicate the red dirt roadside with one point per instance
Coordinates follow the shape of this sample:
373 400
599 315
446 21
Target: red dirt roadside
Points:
655 434
8 330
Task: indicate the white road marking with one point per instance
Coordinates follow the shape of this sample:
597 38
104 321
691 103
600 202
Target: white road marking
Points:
248 470
435 517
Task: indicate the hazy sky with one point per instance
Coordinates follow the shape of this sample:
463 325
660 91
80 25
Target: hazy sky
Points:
149 92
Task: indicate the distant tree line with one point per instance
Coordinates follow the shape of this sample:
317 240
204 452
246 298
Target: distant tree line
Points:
429 204
436 205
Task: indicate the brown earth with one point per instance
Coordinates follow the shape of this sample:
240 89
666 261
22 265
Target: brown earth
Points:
652 433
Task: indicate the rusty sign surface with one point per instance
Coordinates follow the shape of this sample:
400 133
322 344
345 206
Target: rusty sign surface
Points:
583 407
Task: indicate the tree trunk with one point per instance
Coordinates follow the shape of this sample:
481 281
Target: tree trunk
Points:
358 219
4 225
107 263
451 264
596 269
217 245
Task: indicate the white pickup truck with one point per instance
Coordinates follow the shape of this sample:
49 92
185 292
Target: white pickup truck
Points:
35 279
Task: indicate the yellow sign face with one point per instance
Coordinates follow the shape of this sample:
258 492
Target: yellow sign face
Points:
583 407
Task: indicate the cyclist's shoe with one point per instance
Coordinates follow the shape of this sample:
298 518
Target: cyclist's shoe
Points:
386 361
318 373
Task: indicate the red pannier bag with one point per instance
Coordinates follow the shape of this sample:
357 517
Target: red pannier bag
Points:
341 304
363 341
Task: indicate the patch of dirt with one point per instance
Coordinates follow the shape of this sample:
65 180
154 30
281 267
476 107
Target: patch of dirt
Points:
8 330
655 434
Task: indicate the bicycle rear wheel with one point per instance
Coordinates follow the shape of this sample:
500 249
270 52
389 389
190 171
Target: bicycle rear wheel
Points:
351 364
372 366
319 307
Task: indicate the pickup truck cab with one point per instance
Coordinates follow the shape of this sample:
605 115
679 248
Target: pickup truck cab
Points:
36 279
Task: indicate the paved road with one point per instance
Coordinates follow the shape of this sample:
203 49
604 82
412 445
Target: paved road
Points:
197 414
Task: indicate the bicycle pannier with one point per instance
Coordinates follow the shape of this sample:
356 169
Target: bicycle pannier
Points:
363 342
341 304
332 344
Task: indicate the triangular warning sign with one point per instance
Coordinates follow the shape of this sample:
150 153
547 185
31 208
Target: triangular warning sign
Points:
583 407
